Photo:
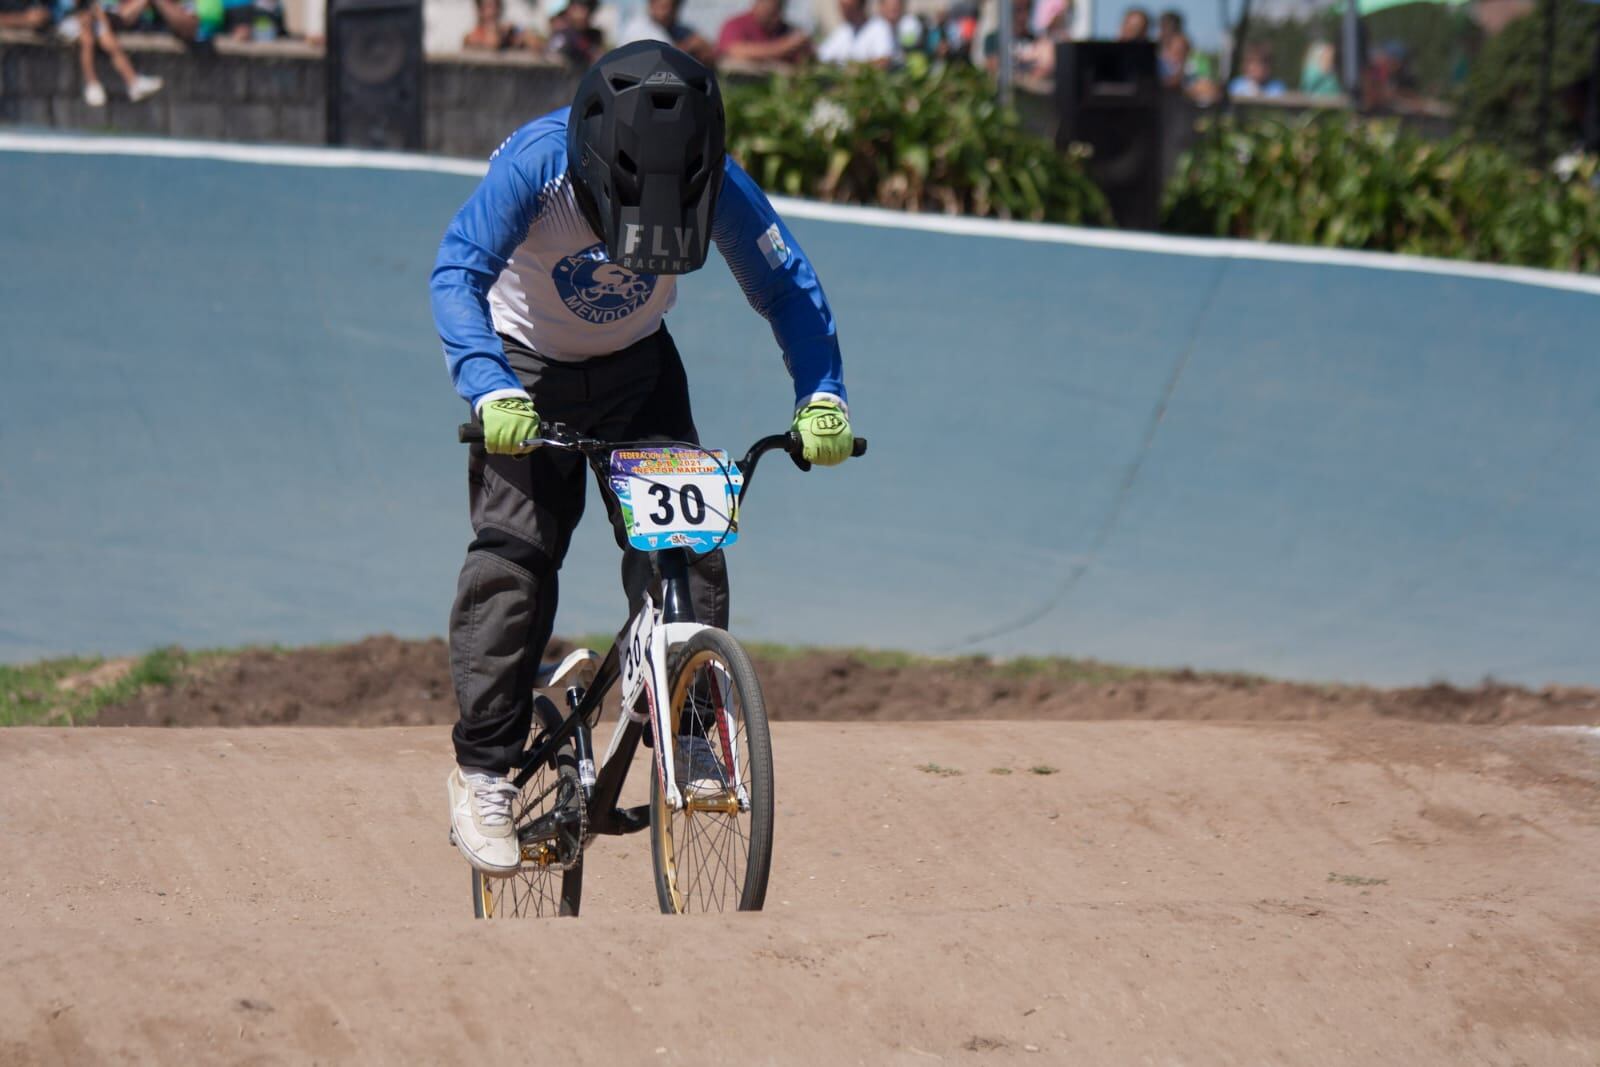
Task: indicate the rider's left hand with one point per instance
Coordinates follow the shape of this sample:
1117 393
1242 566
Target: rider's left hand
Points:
824 430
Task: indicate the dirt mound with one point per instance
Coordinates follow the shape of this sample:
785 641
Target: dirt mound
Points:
384 681
1315 893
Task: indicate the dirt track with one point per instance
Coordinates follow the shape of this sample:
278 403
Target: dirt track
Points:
1178 893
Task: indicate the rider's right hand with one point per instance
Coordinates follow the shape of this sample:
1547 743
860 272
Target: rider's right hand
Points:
507 423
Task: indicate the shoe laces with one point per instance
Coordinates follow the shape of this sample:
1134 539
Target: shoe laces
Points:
493 797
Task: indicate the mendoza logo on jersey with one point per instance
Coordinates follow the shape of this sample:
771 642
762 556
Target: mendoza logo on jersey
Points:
598 290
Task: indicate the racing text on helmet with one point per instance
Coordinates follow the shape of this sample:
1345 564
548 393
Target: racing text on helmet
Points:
645 151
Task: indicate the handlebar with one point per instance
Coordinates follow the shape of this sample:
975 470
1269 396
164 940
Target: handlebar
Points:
557 436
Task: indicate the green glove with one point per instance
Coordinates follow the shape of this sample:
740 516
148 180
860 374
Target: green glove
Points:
825 435
507 423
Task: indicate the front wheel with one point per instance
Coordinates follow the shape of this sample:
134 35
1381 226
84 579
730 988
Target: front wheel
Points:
714 854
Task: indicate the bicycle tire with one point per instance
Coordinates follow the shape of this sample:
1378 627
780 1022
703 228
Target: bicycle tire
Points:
541 887
707 859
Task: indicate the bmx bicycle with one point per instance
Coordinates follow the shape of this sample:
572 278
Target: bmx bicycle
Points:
688 691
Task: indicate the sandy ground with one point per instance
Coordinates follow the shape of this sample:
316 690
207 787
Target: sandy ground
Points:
1316 893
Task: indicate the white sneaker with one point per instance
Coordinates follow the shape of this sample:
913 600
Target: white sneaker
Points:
94 94
481 821
143 86
700 770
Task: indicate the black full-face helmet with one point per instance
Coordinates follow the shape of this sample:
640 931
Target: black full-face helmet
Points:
645 151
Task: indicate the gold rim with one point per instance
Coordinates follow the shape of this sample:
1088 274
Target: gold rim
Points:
534 889
711 836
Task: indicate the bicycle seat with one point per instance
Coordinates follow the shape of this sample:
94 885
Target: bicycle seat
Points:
578 668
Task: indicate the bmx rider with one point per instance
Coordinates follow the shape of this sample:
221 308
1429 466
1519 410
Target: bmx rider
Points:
549 292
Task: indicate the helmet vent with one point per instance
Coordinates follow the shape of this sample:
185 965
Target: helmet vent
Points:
695 164
699 85
665 101
594 110
626 162
620 82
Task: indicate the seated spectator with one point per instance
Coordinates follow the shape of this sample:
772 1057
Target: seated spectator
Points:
953 33
1172 49
1317 77
1255 78
859 38
252 20
1386 81
493 33
760 35
25 15
177 17
1135 25
910 32
574 38
659 21
1025 51
90 24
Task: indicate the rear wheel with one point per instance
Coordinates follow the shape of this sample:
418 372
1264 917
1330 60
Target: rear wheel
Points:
549 817
714 854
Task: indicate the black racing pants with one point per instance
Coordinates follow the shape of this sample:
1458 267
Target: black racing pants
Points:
524 510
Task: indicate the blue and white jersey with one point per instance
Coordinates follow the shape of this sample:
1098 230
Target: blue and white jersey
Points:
519 259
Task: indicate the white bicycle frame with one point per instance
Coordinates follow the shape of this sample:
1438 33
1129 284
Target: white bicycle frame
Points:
644 653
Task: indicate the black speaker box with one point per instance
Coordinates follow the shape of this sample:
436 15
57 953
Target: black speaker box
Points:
375 70
1108 96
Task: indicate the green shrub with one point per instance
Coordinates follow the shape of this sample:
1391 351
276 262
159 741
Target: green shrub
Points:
1346 183
925 139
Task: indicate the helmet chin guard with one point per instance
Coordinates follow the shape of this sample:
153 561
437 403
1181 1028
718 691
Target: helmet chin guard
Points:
645 150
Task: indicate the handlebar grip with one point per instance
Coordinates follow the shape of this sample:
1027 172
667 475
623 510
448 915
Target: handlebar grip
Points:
857 449
469 433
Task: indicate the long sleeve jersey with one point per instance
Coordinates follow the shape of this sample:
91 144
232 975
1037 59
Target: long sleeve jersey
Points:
519 259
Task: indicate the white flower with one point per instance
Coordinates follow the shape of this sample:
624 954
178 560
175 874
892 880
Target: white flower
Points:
1566 165
828 117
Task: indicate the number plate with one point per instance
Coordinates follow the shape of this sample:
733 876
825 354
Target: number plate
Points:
677 497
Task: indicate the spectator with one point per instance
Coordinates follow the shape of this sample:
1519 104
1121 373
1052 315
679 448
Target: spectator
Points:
1317 77
910 32
953 33
760 35
1386 82
1051 23
25 15
494 34
252 20
177 17
1024 45
1135 25
1255 78
1172 49
859 38
659 21
91 25
574 38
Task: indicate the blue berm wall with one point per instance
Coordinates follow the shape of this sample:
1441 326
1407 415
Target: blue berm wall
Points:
225 420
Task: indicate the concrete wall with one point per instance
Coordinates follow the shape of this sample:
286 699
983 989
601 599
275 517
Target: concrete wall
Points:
267 92
278 93
1159 451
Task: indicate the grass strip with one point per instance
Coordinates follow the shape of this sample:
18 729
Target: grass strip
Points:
66 692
